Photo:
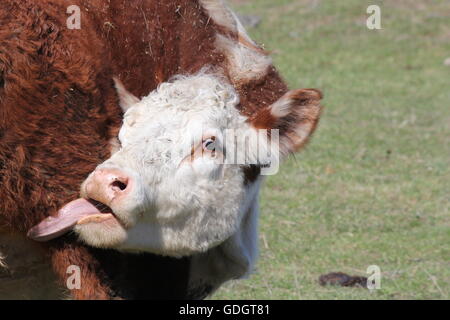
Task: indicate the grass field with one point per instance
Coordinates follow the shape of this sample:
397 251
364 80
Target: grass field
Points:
373 187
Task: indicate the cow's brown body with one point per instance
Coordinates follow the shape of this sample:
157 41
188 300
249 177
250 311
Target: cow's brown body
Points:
59 111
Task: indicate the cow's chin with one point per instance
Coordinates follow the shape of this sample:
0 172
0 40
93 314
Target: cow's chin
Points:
103 232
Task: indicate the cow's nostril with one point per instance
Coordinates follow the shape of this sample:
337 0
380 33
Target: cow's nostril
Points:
119 185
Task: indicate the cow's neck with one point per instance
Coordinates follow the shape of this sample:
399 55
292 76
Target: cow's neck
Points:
233 259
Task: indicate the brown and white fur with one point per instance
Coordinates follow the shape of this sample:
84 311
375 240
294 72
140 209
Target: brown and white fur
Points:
59 112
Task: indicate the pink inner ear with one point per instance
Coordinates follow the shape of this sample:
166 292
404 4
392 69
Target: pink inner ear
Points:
295 114
268 118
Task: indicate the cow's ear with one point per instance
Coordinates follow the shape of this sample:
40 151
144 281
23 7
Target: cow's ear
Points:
126 98
295 115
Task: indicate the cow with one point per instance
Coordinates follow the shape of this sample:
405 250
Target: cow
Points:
82 155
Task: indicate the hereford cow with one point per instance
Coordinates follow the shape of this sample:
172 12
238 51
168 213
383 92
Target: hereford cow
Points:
150 210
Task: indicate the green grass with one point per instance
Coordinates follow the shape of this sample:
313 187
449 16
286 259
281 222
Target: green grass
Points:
373 187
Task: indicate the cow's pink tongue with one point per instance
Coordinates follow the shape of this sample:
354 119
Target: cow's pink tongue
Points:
67 217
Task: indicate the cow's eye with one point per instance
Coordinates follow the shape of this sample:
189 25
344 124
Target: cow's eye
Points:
209 144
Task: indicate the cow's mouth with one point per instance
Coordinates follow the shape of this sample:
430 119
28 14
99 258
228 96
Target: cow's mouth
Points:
105 213
76 213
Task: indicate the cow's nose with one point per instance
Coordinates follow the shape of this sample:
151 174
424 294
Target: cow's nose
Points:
106 185
119 183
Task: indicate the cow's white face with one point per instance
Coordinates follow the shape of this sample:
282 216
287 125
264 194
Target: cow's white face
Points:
170 188
179 196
